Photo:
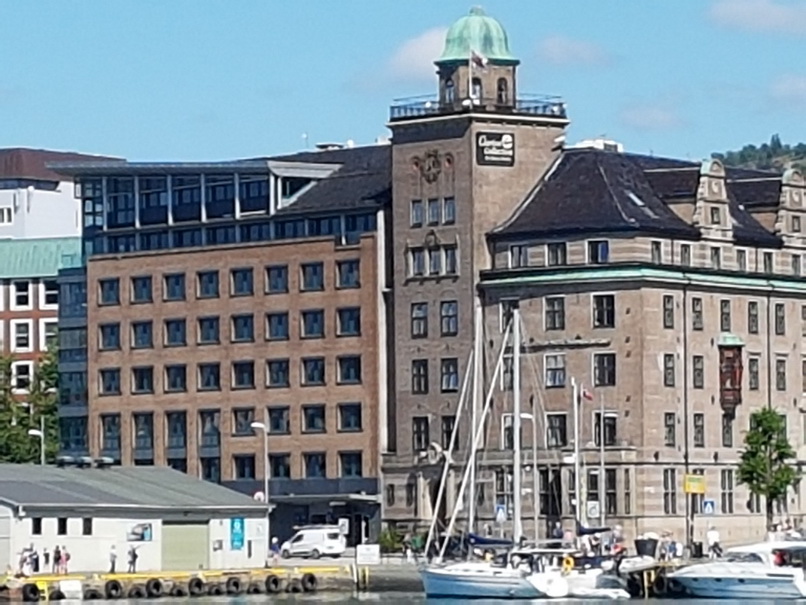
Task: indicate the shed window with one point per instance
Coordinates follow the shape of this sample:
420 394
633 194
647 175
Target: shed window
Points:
61 526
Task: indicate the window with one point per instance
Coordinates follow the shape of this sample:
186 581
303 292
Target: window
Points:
555 313
685 255
448 426
243 374
670 491
175 378
313 277
611 492
752 373
780 374
724 315
276 279
142 335
727 430
110 433
726 485
22 373
699 430
175 333
142 380
244 466
556 430
451 266
109 337
49 294
716 258
141 289
449 318
657 252
143 431
416 262
518 256
109 291
351 464
313 371
696 314
448 211
419 433
604 369
61 526
21 295
796 266
419 376
610 428
741 260
670 429
507 373
435 262
110 381
348 321
211 469
417 213
350 417
210 428
503 488
668 370
434 212
598 252
556 254
349 367
277 326
208 330
716 215
6 218
390 495
209 377
242 419
207 284
604 311
419 320
768 264
280 465
780 319
277 373
242 282
176 423
312 324
752 317
555 370
279 420
698 372
668 311
449 375
174 286
315 465
795 224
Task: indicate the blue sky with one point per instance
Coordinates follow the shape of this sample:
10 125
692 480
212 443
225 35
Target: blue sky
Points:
217 79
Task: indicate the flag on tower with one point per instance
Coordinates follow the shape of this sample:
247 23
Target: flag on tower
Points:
478 59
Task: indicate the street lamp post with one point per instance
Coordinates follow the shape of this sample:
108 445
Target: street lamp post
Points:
40 432
262 427
535 502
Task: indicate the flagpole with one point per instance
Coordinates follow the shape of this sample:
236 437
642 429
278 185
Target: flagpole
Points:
577 493
602 478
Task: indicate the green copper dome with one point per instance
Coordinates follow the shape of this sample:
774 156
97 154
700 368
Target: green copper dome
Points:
480 33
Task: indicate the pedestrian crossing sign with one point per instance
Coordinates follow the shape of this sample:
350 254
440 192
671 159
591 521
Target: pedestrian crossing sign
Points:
708 507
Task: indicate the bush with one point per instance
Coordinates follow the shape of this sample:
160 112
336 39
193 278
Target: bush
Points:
390 541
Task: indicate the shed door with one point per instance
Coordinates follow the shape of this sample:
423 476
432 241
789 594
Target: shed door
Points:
185 546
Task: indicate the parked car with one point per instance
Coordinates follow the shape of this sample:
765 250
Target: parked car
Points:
315 542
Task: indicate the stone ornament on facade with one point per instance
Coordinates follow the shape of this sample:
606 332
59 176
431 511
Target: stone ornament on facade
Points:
431 167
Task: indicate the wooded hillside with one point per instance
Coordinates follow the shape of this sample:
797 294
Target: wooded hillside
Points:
769 156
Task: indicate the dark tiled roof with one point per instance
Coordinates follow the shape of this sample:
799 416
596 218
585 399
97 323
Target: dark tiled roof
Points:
598 191
746 229
651 162
756 193
363 181
675 183
22 163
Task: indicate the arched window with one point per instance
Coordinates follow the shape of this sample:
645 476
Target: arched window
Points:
502 92
476 91
450 91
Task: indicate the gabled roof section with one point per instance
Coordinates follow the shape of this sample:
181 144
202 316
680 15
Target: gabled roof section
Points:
23 163
757 193
596 191
746 229
43 257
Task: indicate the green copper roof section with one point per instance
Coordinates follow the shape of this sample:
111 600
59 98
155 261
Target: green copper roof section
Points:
480 33
24 258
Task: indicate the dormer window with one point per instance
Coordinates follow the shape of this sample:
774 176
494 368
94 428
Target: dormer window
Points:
716 215
768 262
502 95
657 252
598 252
741 260
556 254
716 258
518 256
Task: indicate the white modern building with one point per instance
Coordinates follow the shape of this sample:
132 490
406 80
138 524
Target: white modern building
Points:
176 522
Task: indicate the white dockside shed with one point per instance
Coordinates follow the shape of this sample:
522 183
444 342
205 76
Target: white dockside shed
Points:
175 521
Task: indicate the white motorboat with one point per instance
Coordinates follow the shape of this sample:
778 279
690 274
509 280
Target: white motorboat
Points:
490 581
766 570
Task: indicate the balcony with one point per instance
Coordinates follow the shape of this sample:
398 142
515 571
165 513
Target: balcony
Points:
429 105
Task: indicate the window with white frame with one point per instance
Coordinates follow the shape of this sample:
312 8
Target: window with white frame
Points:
555 370
47 333
6 215
21 337
20 295
48 294
22 372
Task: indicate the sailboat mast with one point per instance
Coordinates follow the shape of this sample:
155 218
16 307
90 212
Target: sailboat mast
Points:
577 490
474 411
517 530
602 478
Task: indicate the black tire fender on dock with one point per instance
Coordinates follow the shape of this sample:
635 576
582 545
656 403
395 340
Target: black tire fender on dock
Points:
93 594
674 588
56 595
215 590
136 592
273 585
31 593
294 586
661 585
234 586
254 588
309 582
178 591
196 587
113 590
154 588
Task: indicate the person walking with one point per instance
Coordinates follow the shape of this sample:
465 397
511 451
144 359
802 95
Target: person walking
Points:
714 548
113 559
57 560
133 559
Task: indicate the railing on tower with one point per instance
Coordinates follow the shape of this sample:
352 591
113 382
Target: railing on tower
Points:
430 105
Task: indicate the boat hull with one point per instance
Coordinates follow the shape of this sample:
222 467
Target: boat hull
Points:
503 584
748 587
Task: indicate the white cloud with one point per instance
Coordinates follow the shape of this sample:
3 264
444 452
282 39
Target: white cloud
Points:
789 89
650 117
761 15
561 50
413 60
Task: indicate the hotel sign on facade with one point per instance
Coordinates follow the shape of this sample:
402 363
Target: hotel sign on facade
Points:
495 149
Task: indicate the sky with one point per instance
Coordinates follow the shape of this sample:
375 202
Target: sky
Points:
190 80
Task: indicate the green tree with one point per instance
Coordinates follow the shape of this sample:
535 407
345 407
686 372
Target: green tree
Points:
20 412
765 464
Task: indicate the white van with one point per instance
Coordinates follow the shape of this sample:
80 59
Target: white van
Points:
315 541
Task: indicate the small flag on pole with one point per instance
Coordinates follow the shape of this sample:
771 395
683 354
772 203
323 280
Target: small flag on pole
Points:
585 393
478 59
